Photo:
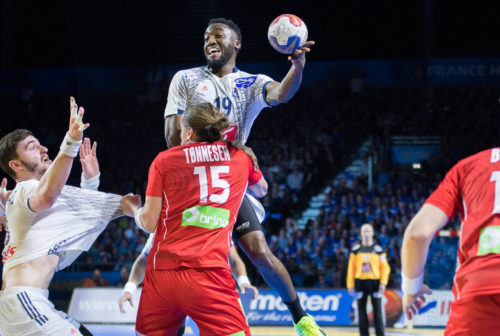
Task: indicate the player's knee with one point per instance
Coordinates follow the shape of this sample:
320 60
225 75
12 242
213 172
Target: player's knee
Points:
255 246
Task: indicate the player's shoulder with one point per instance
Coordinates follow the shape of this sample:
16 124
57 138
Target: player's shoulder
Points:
356 247
377 248
169 154
27 185
242 75
480 159
191 73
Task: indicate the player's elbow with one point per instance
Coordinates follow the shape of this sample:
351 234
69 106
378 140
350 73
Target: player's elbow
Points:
283 99
259 189
417 232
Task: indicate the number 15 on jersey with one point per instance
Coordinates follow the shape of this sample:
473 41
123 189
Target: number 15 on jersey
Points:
216 182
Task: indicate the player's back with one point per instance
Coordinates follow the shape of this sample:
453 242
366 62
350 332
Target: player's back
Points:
477 181
202 186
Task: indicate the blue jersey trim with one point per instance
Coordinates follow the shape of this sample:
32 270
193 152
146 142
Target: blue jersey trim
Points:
180 111
264 92
28 205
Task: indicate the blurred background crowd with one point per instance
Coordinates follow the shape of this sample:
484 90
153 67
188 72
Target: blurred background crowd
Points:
302 148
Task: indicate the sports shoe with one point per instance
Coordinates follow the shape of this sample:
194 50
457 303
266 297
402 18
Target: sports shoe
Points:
308 327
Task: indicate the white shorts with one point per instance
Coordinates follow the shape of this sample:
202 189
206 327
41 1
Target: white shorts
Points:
27 311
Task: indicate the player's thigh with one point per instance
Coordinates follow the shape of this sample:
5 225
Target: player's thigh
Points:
215 305
476 316
247 220
27 312
159 312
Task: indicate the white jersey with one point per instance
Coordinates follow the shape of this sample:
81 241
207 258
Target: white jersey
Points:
149 244
68 228
239 94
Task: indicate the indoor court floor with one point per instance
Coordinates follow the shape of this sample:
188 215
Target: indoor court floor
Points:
129 330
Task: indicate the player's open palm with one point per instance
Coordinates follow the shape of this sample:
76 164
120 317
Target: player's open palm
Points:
299 55
88 159
4 193
126 296
76 125
247 286
413 302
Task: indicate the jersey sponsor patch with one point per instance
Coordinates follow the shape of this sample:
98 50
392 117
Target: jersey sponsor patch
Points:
489 240
206 217
245 82
366 268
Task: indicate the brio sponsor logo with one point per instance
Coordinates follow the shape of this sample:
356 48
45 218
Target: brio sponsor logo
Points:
206 217
313 303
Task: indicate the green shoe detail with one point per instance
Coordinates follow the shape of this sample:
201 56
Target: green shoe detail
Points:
307 326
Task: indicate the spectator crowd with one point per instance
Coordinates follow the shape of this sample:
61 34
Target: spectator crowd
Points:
301 147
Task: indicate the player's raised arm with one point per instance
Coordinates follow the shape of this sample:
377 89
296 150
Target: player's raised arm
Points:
276 92
53 180
90 165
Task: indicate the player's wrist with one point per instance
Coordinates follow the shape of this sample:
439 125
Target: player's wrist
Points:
137 218
70 146
130 287
243 280
411 285
91 183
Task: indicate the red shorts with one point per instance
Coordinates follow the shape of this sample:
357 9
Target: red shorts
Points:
476 316
207 295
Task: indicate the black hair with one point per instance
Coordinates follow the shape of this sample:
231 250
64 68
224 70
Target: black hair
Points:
230 23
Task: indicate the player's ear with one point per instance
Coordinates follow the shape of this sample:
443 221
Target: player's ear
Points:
237 45
15 165
189 134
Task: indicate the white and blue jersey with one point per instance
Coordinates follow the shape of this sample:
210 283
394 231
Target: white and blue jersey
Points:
240 95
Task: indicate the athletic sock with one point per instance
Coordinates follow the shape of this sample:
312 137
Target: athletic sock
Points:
296 310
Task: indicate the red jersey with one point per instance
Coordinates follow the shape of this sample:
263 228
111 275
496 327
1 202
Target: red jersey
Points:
202 186
472 189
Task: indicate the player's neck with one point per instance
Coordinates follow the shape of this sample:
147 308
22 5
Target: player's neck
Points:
226 69
367 242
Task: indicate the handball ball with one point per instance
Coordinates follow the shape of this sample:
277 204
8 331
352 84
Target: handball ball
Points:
286 33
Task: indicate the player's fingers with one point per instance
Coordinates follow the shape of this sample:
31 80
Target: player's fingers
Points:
308 44
94 148
131 302
3 186
242 289
255 292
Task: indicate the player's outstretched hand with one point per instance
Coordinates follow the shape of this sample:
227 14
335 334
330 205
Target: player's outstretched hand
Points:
130 203
4 193
246 286
413 302
76 125
126 296
88 158
299 56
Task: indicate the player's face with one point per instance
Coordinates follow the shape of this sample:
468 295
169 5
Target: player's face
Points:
366 231
220 45
32 156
